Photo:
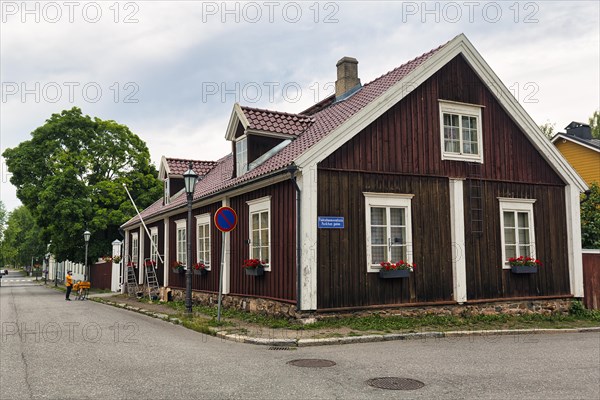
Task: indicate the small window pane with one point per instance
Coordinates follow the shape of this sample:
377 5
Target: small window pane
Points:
377 254
255 237
523 218
255 219
378 235
264 237
510 251
524 251
523 236
378 216
264 220
398 236
509 219
397 216
509 236
398 253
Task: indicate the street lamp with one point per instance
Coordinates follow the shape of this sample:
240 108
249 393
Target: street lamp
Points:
189 180
86 237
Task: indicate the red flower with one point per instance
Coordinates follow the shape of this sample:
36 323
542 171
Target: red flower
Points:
253 263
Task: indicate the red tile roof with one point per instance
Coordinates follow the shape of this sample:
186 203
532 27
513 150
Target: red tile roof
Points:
326 116
178 166
277 121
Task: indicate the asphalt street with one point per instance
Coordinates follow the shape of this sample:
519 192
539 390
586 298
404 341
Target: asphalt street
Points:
53 349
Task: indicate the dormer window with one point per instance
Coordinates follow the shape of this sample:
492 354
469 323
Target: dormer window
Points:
241 156
166 196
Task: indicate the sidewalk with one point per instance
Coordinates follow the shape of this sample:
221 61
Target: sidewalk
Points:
245 332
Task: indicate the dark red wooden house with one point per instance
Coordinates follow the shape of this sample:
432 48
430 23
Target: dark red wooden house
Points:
434 163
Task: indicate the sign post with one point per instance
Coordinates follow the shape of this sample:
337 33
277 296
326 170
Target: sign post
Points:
225 221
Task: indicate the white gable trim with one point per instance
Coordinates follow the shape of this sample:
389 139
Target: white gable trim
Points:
570 139
458 45
237 117
164 171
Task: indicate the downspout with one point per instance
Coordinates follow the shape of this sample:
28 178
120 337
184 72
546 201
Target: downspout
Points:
292 169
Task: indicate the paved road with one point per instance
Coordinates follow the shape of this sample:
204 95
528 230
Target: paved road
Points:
53 349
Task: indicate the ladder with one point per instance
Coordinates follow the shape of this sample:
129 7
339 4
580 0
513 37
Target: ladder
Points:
132 284
476 199
152 285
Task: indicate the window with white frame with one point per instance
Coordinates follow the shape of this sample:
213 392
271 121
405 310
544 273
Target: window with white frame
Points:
154 244
389 228
181 240
260 231
460 126
517 228
203 239
135 248
241 156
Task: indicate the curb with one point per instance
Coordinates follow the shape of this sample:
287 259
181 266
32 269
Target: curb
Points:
234 337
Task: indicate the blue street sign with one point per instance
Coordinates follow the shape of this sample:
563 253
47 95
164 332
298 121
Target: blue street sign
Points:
225 219
330 222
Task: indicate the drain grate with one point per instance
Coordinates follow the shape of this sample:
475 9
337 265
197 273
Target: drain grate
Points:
391 383
312 363
281 348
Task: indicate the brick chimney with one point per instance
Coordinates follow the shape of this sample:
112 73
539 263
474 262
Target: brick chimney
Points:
347 78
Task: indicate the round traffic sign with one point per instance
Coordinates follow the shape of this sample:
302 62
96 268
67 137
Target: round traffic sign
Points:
225 219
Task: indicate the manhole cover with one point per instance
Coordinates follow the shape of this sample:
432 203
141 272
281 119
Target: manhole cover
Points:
392 383
312 363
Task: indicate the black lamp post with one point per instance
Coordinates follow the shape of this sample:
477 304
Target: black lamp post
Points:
86 237
189 179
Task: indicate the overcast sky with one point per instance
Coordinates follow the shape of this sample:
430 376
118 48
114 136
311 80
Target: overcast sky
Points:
172 71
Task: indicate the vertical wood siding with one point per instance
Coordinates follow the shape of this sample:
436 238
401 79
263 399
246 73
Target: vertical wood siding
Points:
343 280
486 279
280 282
591 280
210 281
160 267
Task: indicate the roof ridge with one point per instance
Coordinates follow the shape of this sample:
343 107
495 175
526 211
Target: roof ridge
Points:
190 159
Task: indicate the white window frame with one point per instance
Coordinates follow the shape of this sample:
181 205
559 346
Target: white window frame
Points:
259 206
203 220
153 242
388 200
516 205
135 249
241 166
467 110
180 226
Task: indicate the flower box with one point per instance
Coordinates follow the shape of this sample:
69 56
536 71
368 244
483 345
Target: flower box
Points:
200 271
524 269
178 270
258 271
394 273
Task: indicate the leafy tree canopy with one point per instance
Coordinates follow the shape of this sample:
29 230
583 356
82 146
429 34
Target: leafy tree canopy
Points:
70 175
22 239
2 219
590 218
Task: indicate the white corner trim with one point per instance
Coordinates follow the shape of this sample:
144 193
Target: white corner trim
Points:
457 229
307 180
574 241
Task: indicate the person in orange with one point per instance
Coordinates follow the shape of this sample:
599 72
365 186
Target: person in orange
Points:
69 285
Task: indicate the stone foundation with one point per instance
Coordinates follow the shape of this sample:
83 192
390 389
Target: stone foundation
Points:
286 310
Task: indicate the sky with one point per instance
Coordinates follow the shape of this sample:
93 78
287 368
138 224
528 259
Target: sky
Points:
172 71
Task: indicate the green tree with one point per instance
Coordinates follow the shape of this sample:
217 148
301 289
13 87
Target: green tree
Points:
590 218
22 239
2 219
595 124
548 129
70 175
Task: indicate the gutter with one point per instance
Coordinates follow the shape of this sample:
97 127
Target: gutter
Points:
292 169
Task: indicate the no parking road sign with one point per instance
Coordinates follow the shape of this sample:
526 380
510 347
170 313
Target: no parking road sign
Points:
225 219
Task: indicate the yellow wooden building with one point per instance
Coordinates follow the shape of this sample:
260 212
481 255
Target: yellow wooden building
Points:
581 150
